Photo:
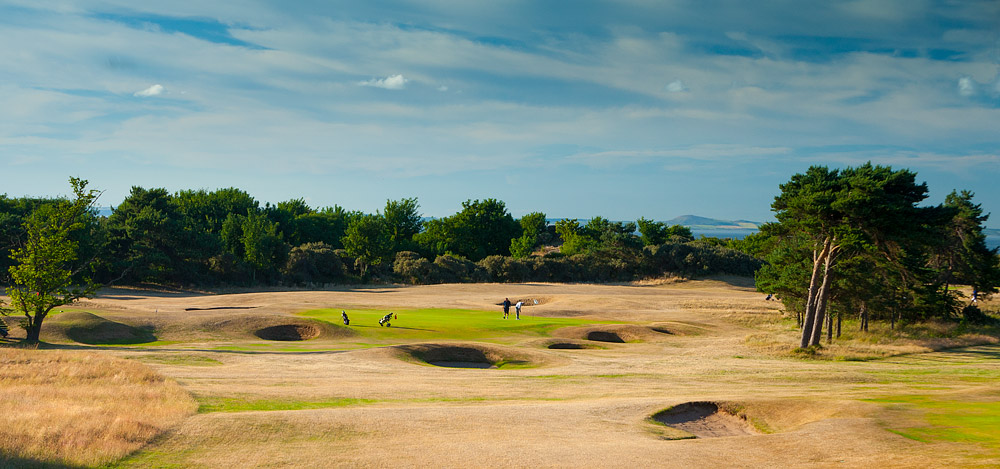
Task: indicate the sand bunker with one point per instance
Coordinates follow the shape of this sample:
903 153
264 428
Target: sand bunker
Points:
704 420
571 346
617 333
469 356
288 332
605 336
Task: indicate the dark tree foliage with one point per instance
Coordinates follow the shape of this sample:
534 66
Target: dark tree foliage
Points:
313 263
480 229
653 233
148 240
855 240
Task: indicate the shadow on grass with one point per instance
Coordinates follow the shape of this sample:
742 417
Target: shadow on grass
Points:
393 327
28 463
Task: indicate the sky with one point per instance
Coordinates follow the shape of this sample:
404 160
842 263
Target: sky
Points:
623 109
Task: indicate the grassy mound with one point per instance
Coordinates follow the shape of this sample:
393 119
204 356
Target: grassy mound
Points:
91 329
275 327
470 356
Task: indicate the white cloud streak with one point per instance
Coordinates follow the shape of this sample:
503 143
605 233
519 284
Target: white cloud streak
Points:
154 90
392 82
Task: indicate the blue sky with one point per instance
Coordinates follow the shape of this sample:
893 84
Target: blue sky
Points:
620 109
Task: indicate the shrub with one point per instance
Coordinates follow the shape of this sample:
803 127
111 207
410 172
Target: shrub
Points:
313 263
412 268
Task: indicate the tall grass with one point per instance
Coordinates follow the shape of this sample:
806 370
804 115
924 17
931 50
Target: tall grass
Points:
81 409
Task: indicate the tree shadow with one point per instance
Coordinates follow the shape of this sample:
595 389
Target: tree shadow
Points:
7 461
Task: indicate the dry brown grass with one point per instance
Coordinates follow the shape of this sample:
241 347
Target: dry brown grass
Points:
79 408
379 407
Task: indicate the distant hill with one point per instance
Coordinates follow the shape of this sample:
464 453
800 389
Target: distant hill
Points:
694 221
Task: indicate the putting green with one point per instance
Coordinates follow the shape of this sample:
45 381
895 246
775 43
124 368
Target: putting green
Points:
447 324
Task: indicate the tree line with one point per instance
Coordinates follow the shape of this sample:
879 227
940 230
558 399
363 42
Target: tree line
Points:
850 241
201 238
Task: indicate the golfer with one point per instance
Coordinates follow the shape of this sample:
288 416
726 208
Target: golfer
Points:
506 307
517 309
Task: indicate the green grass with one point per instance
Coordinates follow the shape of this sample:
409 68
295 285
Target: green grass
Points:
230 404
954 420
269 347
178 359
154 343
447 324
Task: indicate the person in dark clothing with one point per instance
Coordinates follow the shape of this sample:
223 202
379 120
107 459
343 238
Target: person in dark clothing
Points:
506 307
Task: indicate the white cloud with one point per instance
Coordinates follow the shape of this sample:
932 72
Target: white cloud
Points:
966 87
442 88
154 90
392 82
676 86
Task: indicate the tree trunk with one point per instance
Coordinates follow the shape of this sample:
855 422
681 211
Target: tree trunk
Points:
33 328
810 313
829 328
840 317
824 293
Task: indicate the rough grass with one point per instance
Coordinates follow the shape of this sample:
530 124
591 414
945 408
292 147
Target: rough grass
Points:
73 408
780 336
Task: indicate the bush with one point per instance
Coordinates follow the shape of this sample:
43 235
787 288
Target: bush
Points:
412 268
228 268
971 314
454 269
313 263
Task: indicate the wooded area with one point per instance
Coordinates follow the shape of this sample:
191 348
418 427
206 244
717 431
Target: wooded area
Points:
850 241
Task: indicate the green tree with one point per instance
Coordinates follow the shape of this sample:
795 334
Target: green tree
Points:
403 220
575 239
651 232
480 229
263 248
206 211
867 210
963 257
368 240
532 228
43 276
148 239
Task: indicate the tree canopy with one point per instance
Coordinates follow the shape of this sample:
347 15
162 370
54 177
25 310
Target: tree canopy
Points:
48 272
